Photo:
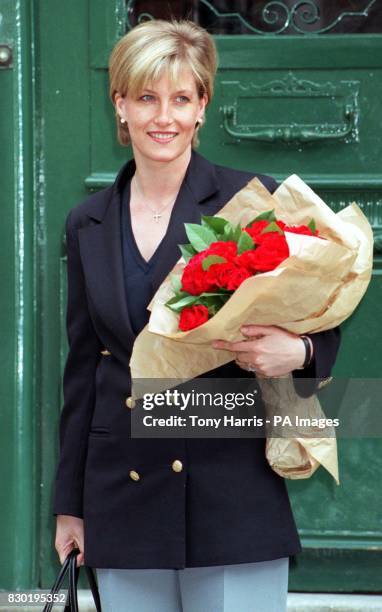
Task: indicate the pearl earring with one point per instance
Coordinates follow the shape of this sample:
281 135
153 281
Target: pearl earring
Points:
122 120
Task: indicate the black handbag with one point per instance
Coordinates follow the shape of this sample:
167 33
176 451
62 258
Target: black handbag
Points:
70 564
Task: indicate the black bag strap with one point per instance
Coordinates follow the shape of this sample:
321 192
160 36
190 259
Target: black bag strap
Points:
70 565
74 571
93 587
57 584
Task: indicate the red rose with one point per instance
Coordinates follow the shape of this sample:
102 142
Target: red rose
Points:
248 261
270 254
193 316
218 274
196 259
238 275
256 229
301 229
228 249
276 242
195 280
227 275
281 224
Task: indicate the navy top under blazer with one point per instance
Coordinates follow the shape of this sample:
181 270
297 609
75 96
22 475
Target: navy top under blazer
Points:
138 272
226 505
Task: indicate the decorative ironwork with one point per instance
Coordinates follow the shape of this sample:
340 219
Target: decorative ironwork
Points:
343 94
304 12
302 17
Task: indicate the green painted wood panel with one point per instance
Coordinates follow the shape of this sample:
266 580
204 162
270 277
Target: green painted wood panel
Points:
19 441
63 38
8 396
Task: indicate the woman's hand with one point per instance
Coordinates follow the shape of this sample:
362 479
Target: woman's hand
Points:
268 350
69 535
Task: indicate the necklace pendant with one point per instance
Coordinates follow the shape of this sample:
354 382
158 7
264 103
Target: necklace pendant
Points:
157 216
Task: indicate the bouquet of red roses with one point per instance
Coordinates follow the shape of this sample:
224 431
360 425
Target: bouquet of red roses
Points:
221 256
262 261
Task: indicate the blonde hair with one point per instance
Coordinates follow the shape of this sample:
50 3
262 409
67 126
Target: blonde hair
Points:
155 47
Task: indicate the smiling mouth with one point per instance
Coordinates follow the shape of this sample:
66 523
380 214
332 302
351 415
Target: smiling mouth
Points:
162 136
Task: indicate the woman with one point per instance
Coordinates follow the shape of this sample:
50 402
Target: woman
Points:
170 524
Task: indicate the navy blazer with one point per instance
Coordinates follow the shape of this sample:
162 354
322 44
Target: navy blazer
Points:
222 504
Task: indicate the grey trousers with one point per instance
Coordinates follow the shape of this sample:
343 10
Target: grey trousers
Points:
243 587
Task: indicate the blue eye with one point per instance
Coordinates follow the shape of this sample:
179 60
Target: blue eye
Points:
149 97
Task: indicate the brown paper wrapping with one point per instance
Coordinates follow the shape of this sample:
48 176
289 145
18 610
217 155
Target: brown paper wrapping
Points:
305 448
316 288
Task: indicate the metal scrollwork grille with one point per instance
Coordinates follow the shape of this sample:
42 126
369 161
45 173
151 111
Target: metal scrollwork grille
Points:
272 17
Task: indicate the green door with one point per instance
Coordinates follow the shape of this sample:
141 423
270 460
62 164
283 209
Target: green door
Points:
19 437
298 91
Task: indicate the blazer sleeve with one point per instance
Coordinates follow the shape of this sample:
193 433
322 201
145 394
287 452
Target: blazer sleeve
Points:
78 385
318 373
325 349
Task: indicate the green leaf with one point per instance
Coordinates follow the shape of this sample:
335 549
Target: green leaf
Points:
228 233
177 306
272 227
187 251
231 233
237 232
176 282
178 296
214 301
245 243
199 236
312 225
212 259
217 224
213 308
267 215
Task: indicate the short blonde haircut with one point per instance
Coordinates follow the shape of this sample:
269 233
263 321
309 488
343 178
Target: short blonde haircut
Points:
157 47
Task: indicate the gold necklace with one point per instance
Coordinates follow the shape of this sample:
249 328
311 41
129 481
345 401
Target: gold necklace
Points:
156 214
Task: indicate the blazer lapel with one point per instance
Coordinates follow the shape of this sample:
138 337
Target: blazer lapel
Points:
101 255
194 199
101 248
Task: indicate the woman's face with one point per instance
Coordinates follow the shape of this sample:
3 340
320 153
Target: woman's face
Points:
161 119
